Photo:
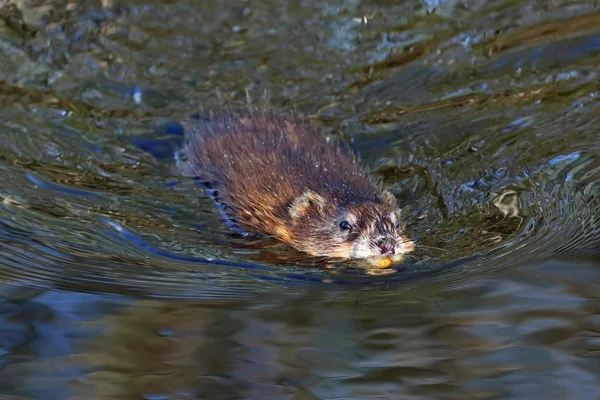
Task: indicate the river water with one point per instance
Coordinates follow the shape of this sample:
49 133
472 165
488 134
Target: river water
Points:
118 280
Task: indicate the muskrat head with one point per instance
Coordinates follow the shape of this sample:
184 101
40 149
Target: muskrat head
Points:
363 230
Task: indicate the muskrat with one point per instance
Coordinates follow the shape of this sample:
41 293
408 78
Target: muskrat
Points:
282 179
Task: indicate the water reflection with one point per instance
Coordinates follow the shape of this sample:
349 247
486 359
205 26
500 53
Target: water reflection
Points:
498 337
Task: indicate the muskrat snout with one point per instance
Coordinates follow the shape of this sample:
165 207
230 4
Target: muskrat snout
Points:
387 246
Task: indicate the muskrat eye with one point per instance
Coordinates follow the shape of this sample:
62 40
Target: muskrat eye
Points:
345 226
397 224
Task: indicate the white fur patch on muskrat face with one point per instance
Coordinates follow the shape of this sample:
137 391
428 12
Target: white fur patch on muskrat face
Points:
366 230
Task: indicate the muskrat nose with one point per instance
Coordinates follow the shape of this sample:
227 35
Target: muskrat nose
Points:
386 246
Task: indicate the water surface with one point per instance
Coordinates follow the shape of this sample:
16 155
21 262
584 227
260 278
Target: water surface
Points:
119 280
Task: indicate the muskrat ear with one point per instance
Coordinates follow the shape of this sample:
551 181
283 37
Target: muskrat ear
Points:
307 202
389 199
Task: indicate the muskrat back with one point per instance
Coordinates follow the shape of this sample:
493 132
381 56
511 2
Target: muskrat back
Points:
283 179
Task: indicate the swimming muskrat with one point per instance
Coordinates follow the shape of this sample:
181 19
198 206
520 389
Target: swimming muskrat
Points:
282 179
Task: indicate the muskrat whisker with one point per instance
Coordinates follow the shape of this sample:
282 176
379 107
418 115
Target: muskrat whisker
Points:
429 247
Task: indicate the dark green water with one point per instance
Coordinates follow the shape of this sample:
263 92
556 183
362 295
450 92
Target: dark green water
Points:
119 281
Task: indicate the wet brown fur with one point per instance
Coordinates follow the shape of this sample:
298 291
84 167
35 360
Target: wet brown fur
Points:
283 179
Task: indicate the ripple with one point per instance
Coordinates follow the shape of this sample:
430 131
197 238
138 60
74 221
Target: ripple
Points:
495 163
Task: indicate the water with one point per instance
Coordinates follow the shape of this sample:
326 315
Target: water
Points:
118 280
